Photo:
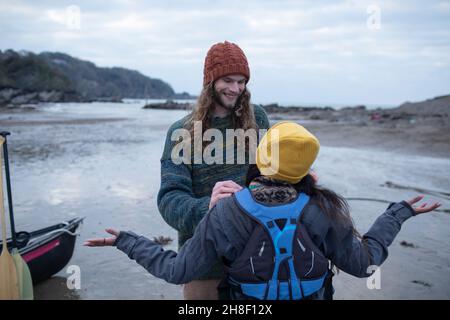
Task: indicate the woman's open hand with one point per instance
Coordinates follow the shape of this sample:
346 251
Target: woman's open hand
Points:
102 242
424 207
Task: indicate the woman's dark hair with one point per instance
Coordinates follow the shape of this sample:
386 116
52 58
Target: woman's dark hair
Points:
330 202
252 173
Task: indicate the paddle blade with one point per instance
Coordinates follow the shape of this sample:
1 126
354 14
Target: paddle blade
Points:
9 286
24 276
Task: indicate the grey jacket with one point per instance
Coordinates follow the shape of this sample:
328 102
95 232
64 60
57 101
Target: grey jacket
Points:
225 230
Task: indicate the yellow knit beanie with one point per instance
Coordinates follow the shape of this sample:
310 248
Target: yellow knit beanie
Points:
286 152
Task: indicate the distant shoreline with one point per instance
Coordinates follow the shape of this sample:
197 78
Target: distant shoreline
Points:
421 128
436 110
16 98
416 132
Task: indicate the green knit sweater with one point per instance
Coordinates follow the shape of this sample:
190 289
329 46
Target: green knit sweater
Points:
184 196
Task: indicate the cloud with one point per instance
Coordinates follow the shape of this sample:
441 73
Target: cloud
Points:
300 41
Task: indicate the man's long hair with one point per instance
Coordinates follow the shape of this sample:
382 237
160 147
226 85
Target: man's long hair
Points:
243 115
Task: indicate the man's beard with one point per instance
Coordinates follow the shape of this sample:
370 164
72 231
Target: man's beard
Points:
218 100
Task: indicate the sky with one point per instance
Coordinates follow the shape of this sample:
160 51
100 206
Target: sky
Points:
299 52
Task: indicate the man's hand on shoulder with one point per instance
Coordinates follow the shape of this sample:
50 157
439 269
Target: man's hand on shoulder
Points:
223 189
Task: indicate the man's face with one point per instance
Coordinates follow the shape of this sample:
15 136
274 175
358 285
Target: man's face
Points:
228 89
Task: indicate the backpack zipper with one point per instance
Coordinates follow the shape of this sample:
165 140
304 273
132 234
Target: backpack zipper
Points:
262 249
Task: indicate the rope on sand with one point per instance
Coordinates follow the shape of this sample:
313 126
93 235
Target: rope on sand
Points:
393 185
386 201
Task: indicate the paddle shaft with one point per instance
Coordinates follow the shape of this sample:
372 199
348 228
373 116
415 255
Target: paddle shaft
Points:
3 218
8 189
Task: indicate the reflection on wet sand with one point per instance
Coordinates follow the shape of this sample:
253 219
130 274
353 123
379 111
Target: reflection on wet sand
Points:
55 288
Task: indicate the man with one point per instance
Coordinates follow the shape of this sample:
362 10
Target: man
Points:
189 190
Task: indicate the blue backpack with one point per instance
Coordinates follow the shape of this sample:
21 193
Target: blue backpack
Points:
279 262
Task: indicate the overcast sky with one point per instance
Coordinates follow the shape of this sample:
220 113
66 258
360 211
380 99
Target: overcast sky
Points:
327 52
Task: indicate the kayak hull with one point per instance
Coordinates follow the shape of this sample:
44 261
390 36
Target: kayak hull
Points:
47 251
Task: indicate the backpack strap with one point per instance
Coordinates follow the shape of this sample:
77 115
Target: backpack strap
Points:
282 236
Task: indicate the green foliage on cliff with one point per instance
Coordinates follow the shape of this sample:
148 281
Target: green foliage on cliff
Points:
29 72
58 71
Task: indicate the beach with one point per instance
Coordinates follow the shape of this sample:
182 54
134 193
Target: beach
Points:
101 161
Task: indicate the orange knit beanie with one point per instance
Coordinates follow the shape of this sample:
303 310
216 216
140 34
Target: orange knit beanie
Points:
222 59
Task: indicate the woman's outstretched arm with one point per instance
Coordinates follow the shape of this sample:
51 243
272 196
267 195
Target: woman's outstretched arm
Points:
353 255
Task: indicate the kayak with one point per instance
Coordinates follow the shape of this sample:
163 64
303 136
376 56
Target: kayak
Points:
47 251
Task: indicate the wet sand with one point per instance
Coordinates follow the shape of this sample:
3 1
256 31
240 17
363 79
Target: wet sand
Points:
71 160
426 140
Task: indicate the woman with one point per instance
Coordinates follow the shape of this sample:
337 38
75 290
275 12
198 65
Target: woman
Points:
280 236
